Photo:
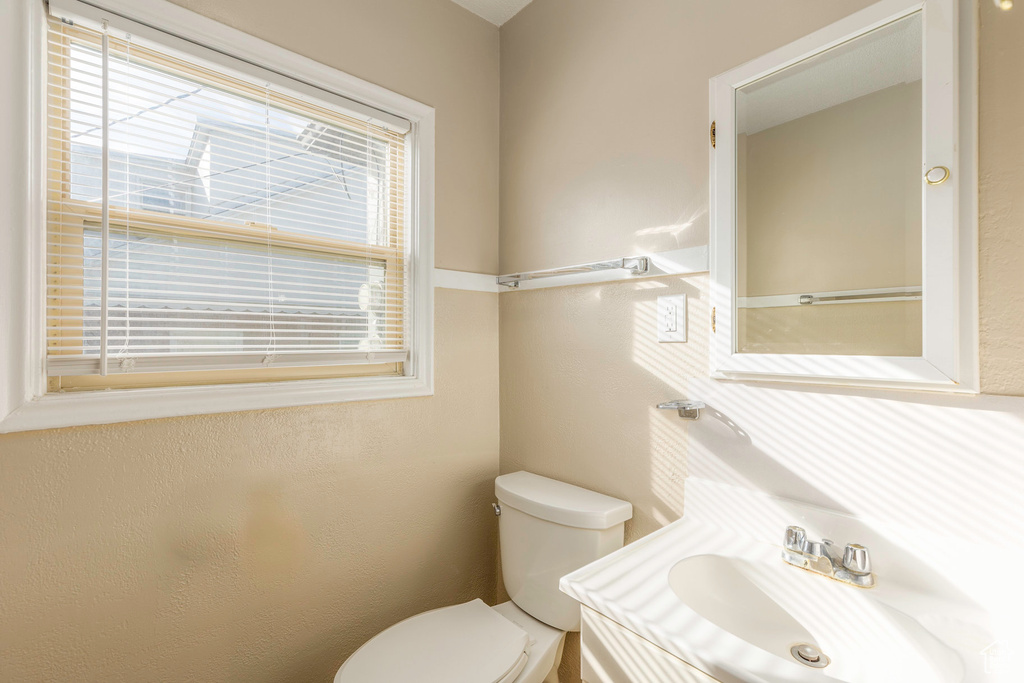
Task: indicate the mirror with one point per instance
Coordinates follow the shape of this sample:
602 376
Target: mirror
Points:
829 201
843 206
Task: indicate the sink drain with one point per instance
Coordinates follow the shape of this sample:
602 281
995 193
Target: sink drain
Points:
809 655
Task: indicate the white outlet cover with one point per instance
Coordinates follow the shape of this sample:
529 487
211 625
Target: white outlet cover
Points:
671 319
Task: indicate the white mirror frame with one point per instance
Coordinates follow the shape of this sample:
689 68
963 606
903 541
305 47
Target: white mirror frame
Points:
949 101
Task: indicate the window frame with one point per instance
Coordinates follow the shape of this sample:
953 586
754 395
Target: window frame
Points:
24 401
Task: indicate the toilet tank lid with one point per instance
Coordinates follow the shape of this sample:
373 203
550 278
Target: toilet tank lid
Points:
556 501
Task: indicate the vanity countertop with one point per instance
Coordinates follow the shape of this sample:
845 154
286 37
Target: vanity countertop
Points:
632 587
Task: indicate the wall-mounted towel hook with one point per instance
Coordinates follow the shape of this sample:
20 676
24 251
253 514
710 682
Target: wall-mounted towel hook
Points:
688 410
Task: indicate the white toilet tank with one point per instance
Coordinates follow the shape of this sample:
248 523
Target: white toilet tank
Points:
548 529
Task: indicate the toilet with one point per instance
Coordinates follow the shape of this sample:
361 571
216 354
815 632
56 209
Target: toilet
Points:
547 529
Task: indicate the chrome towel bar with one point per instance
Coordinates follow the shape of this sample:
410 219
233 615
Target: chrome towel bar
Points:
911 294
638 265
849 296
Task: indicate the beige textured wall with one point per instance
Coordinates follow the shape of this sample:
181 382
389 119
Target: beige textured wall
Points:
579 375
255 546
604 108
266 546
1001 198
604 153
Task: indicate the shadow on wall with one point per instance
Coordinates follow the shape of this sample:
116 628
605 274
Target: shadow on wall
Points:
668 434
918 459
938 462
720 449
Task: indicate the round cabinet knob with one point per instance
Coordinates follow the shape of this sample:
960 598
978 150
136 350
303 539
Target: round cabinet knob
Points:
937 175
856 560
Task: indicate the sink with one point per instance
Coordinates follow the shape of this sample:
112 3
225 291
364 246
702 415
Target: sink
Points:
748 615
727 593
719 597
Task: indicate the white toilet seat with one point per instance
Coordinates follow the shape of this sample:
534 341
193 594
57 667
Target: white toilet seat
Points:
467 643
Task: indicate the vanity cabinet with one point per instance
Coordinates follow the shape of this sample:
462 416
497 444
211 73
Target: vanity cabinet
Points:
613 654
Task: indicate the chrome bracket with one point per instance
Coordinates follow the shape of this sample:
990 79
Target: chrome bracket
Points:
688 410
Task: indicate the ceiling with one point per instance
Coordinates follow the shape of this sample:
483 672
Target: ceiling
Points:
495 11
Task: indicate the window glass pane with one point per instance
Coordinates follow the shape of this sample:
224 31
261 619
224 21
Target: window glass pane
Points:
172 295
245 222
187 148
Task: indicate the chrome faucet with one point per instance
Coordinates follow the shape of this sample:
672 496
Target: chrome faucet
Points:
853 566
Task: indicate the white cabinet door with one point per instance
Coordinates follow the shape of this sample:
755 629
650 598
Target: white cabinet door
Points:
948 356
613 654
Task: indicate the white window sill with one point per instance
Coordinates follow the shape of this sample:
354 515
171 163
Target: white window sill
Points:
125 405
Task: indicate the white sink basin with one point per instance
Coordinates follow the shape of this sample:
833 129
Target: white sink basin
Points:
712 590
758 610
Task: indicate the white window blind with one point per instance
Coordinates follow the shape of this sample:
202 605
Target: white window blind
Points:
200 221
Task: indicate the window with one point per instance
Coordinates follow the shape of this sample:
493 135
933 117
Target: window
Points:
209 222
245 229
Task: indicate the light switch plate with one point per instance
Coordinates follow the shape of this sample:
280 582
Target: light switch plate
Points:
672 318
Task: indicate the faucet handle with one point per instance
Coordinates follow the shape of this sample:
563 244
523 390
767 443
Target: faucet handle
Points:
796 538
856 560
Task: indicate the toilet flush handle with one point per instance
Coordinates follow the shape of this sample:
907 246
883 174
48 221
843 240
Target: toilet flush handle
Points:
497 509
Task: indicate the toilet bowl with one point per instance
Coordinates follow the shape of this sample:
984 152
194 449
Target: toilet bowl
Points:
467 642
547 529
